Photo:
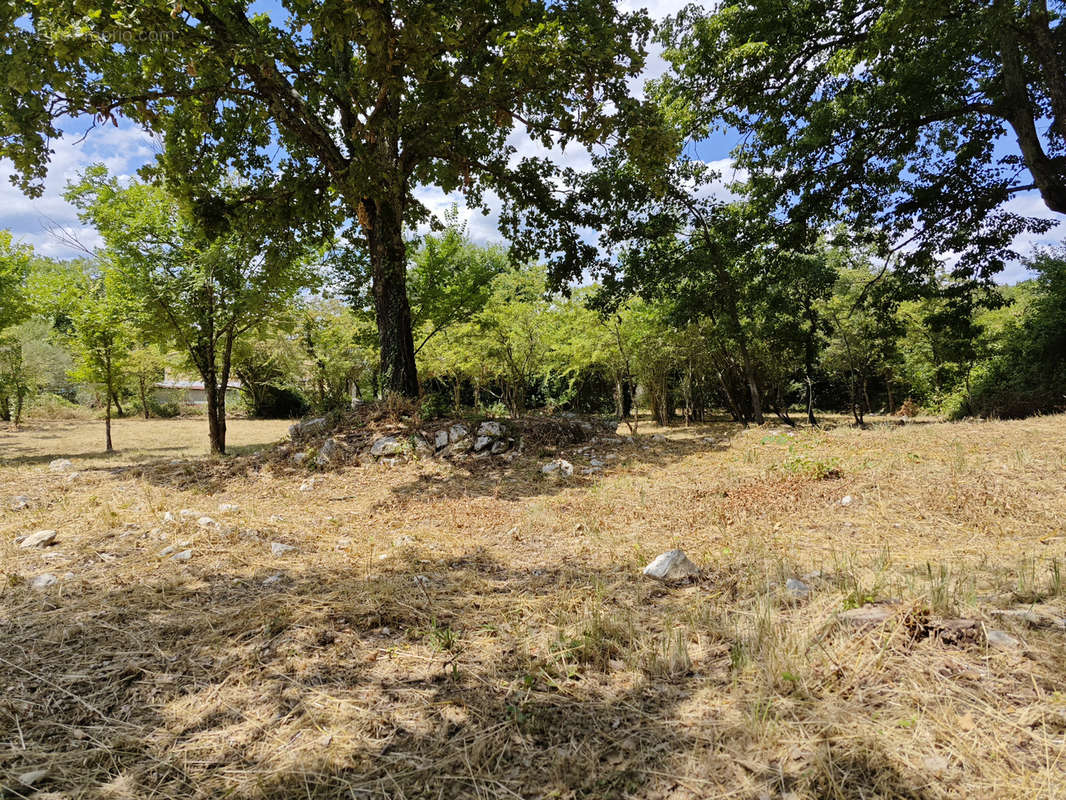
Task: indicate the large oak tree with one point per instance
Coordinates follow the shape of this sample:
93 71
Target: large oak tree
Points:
357 101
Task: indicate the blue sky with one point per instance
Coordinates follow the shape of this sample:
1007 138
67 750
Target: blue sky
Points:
126 148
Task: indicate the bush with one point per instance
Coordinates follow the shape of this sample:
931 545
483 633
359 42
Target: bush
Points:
52 406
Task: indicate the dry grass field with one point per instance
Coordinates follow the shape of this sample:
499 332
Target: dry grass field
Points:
481 630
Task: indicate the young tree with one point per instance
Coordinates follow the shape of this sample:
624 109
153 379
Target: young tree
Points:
30 360
200 289
368 100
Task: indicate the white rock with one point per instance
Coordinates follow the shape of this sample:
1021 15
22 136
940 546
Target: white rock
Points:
71 477
20 502
421 580
560 465
189 513
280 549
595 462
184 555
500 446
590 471
673 565
440 439
846 500
228 508
33 777
299 458
329 451
1001 640
866 617
387 446
206 522
39 539
68 576
60 465
275 578
168 518
490 428
658 438
307 485
308 427
798 589
481 442
456 433
43 581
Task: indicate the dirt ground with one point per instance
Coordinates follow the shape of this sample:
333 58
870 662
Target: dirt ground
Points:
483 630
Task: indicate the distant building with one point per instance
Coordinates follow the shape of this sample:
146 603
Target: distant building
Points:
189 392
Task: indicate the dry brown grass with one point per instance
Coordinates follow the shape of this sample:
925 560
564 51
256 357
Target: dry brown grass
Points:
481 630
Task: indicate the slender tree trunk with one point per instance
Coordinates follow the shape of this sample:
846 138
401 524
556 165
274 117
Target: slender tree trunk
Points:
142 384
753 386
215 432
383 223
110 393
5 408
118 405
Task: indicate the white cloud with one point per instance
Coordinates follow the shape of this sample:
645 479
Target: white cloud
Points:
123 150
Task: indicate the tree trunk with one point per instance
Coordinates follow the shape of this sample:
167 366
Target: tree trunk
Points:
753 386
118 405
109 392
383 223
5 409
142 384
216 432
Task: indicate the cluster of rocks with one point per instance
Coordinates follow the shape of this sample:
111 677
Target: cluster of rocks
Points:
488 438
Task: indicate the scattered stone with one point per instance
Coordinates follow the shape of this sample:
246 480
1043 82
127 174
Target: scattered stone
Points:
61 465
865 618
846 500
595 462
501 446
39 539
456 433
299 458
560 465
170 548
658 438
20 502
43 581
936 764
1001 640
798 589
71 477
481 442
344 542
275 578
307 485
402 541
306 428
387 446
32 778
280 549
590 471
1033 616
329 451
188 513
490 428
68 576
673 565
169 518
206 522
228 508
421 580
184 555
440 439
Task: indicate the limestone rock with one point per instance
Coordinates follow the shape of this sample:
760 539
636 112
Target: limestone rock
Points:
673 565
658 438
797 589
60 465
206 522
43 581
560 465
299 458
330 451
440 439
501 446
33 777
490 428
387 446
1001 640
307 428
481 443
865 618
39 539
20 502
457 432
280 549
846 500
228 508
184 555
